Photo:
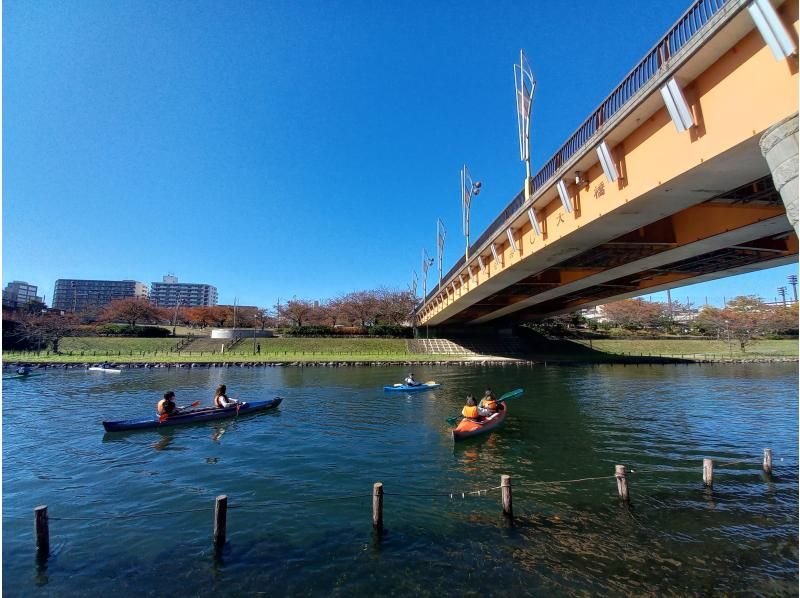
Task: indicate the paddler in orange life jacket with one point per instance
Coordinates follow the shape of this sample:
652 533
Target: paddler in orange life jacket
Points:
221 398
167 406
470 410
488 404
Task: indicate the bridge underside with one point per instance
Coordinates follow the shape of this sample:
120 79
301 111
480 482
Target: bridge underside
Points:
738 231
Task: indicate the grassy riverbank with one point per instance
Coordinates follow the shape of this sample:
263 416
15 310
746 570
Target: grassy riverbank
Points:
138 350
696 348
143 350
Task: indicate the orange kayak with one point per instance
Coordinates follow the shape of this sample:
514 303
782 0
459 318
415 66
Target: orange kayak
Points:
467 428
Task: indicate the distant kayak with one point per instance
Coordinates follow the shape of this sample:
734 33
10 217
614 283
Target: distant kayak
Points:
16 376
193 416
107 370
467 428
415 388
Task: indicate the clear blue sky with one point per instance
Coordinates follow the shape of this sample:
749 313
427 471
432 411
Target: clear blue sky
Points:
279 149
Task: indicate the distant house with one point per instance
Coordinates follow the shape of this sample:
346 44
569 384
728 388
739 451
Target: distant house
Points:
594 314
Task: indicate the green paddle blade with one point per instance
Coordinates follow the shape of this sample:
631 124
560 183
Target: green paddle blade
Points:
511 395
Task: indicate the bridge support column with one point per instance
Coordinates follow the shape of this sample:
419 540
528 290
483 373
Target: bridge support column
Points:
779 147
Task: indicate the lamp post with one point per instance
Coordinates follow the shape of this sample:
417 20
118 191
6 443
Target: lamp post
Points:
468 189
178 302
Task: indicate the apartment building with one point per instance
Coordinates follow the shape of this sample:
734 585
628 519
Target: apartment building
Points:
78 295
169 292
19 294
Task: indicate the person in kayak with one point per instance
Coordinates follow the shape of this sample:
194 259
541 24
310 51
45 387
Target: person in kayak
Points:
410 380
470 410
488 405
167 406
23 370
221 398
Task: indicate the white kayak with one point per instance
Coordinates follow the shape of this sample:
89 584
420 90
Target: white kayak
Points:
108 370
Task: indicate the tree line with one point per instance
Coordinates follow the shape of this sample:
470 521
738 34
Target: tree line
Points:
359 310
744 319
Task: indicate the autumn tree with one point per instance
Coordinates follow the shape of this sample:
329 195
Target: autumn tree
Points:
200 316
395 306
783 319
746 318
130 310
219 314
264 318
710 320
295 310
45 329
361 307
328 313
635 313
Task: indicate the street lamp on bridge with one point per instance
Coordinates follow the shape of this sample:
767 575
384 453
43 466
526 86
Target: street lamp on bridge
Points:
525 85
468 189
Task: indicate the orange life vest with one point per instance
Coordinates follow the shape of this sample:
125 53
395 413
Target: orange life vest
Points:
470 411
162 409
488 403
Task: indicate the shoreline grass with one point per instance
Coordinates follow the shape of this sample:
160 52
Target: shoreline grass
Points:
307 350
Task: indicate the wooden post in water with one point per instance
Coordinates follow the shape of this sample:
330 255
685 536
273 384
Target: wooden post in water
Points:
708 473
377 505
505 495
220 520
768 461
622 482
42 530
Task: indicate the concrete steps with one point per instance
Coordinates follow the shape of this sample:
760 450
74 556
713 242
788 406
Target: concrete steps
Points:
206 345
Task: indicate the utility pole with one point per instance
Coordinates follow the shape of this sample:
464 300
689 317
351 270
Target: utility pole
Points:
175 316
782 293
793 281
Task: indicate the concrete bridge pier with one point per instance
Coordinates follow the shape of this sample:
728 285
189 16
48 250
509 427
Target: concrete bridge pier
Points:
779 147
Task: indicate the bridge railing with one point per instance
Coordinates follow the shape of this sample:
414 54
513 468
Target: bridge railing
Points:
692 21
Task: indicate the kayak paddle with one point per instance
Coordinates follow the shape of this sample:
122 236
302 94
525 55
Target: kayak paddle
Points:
164 416
509 395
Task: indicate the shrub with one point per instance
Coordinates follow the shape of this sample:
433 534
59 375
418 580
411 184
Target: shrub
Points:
350 330
309 331
139 331
390 330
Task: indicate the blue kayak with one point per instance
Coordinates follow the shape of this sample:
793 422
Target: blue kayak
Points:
189 417
418 387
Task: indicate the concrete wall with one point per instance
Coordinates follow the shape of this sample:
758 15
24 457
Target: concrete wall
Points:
231 333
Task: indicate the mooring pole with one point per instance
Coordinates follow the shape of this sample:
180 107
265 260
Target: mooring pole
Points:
505 495
708 473
42 530
377 505
621 473
768 461
220 520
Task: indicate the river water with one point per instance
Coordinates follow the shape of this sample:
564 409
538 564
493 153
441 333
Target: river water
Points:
132 513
